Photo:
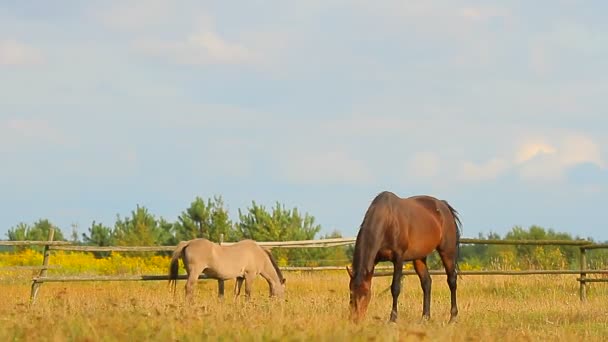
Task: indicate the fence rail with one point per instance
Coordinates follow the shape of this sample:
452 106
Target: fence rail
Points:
51 245
34 243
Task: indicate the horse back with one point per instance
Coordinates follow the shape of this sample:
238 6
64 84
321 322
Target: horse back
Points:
432 217
419 225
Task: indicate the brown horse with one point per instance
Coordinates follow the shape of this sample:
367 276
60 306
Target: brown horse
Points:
398 230
243 261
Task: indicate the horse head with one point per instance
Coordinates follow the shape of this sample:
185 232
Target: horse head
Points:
360 294
278 288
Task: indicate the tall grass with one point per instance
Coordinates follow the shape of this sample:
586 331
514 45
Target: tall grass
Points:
315 308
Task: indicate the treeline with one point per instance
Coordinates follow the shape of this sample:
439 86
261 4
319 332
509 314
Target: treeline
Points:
210 219
202 219
523 257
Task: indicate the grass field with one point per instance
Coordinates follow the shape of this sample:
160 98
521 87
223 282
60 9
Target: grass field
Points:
528 308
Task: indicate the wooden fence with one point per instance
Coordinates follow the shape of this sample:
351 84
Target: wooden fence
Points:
51 245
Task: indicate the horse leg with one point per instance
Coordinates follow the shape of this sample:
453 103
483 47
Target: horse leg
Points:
193 272
220 288
425 283
396 287
237 286
248 284
449 263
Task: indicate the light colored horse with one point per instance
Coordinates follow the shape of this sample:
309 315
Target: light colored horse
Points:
243 261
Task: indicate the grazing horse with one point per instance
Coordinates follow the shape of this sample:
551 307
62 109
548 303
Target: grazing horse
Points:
243 261
398 230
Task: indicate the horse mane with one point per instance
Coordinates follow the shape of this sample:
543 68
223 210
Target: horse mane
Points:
274 264
458 224
363 256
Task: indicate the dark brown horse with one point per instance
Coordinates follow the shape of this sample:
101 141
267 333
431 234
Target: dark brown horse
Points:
398 230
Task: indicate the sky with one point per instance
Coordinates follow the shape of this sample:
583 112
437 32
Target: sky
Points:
498 107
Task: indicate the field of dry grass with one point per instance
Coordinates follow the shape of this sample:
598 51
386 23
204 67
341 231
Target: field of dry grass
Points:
315 308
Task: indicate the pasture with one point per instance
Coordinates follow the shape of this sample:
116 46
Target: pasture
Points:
524 308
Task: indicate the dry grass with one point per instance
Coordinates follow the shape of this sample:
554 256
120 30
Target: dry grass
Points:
491 308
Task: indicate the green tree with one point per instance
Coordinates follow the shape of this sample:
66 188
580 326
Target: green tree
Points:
19 232
141 229
208 220
98 235
543 257
167 228
39 231
280 224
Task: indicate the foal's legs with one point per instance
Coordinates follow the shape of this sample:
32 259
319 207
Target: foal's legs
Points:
425 283
449 263
396 287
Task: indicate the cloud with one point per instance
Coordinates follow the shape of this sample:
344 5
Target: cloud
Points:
542 161
334 166
14 53
530 150
482 13
134 15
201 48
487 170
579 149
15 133
424 165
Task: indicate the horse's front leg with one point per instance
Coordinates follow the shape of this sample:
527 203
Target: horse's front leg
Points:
220 288
396 287
425 283
248 284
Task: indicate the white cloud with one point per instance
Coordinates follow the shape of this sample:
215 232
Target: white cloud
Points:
13 53
424 165
488 170
530 150
325 166
16 132
201 48
581 149
482 13
542 161
134 15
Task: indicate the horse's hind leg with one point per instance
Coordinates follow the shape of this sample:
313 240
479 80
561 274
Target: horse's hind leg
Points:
449 263
396 287
220 288
425 283
193 272
237 286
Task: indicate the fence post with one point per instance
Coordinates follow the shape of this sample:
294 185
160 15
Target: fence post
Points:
45 262
220 282
583 283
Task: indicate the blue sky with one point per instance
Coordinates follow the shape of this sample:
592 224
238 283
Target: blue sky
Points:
498 107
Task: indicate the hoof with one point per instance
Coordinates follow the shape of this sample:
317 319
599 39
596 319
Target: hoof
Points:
424 320
453 320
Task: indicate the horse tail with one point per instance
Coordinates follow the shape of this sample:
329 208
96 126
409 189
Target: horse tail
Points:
174 265
458 225
274 264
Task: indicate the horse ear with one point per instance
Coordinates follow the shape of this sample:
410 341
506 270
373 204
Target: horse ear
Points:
350 272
